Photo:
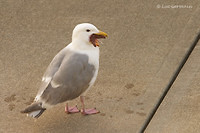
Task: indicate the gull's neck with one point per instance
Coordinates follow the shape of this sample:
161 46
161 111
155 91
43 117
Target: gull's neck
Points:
79 45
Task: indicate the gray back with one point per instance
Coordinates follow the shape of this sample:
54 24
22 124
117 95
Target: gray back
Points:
73 76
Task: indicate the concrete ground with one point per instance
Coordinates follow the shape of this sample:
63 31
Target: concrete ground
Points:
179 111
146 43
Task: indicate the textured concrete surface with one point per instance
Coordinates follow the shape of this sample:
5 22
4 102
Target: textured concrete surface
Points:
186 38
146 44
179 112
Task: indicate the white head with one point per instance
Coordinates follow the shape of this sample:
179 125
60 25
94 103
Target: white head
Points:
87 33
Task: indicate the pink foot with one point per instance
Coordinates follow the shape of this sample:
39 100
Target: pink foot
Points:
71 109
89 111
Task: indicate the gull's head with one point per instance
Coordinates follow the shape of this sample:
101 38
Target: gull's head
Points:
88 33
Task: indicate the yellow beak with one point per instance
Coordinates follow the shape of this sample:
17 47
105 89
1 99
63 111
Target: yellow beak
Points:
95 36
101 33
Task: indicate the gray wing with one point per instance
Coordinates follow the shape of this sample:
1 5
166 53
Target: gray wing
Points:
72 78
52 69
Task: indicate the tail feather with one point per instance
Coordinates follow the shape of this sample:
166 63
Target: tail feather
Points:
36 114
34 110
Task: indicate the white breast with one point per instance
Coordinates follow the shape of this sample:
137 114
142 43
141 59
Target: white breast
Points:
87 49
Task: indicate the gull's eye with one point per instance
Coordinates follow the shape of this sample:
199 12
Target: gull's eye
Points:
88 30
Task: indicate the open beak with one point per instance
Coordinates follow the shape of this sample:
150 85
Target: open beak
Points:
94 37
101 33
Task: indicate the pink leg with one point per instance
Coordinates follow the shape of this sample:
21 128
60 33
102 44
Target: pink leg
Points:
71 109
87 111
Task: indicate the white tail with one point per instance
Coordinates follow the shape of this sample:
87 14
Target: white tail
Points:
35 114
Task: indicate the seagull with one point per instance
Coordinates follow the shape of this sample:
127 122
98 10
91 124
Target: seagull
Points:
71 73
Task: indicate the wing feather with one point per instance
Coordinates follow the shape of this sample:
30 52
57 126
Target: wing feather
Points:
70 80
